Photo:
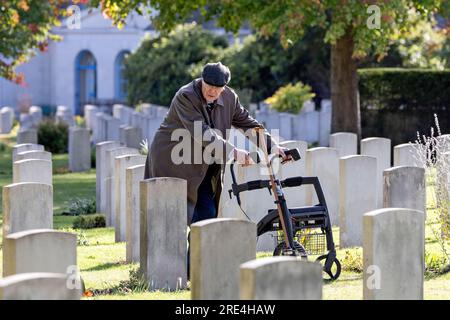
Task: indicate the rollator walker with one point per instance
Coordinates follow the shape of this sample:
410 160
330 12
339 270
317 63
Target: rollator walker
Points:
300 231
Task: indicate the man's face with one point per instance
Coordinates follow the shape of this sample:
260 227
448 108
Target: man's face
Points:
211 93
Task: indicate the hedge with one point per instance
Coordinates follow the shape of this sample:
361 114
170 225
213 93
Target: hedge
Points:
89 221
397 103
394 88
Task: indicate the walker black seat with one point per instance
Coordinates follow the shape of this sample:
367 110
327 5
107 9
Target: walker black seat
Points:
303 217
298 236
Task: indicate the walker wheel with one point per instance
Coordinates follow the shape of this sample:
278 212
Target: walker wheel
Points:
299 250
335 270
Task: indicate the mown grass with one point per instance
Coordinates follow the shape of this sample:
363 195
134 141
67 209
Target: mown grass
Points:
102 261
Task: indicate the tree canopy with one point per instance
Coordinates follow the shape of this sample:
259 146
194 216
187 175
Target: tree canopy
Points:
372 23
24 29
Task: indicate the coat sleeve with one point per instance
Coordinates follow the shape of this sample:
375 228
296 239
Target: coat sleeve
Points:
243 120
192 119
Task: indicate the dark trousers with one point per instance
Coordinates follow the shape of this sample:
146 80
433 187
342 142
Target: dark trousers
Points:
205 208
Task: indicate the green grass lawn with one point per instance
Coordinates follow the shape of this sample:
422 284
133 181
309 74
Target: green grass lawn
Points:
102 261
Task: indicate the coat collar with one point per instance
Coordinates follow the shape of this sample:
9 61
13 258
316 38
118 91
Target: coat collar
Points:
219 101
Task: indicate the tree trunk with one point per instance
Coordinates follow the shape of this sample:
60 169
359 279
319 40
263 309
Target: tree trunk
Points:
344 87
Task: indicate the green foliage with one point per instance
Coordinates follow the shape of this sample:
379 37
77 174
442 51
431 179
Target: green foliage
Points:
261 64
407 89
292 18
435 264
25 28
353 261
80 121
144 147
81 206
82 240
290 98
162 65
54 137
89 221
423 45
136 283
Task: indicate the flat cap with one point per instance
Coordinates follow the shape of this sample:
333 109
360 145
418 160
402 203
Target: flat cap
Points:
216 74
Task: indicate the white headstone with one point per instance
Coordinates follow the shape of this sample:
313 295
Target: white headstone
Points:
34 154
295 197
39 250
280 278
215 262
345 142
27 136
134 175
79 149
33 170
25 147
89 111
394 257
404 187
324 163
163 245
27 206
255 203
36 115
358 195
121 164
406 155
380 148
6 120
38 286
110 176
100 163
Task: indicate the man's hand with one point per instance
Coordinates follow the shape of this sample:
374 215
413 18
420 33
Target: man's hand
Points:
242 157
280 151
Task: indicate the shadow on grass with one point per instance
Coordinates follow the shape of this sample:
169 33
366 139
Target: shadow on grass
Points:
344 279
105 266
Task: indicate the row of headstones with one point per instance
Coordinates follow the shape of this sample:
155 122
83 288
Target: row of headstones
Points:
309 125
6 119
119 170
38 262
79 138
31 119
64 115
155 235
352 185
126 124
223 262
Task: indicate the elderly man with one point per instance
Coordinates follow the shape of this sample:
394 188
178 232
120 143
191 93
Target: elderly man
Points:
209 105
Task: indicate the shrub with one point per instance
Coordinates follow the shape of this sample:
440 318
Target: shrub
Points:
261 65
435 264
81 236
353 261
161 65
80 121
290 98
81 206
89 221
136 283
54 137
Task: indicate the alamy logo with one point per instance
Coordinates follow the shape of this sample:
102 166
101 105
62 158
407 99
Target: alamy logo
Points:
74 19
73 278
374 20
373 281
